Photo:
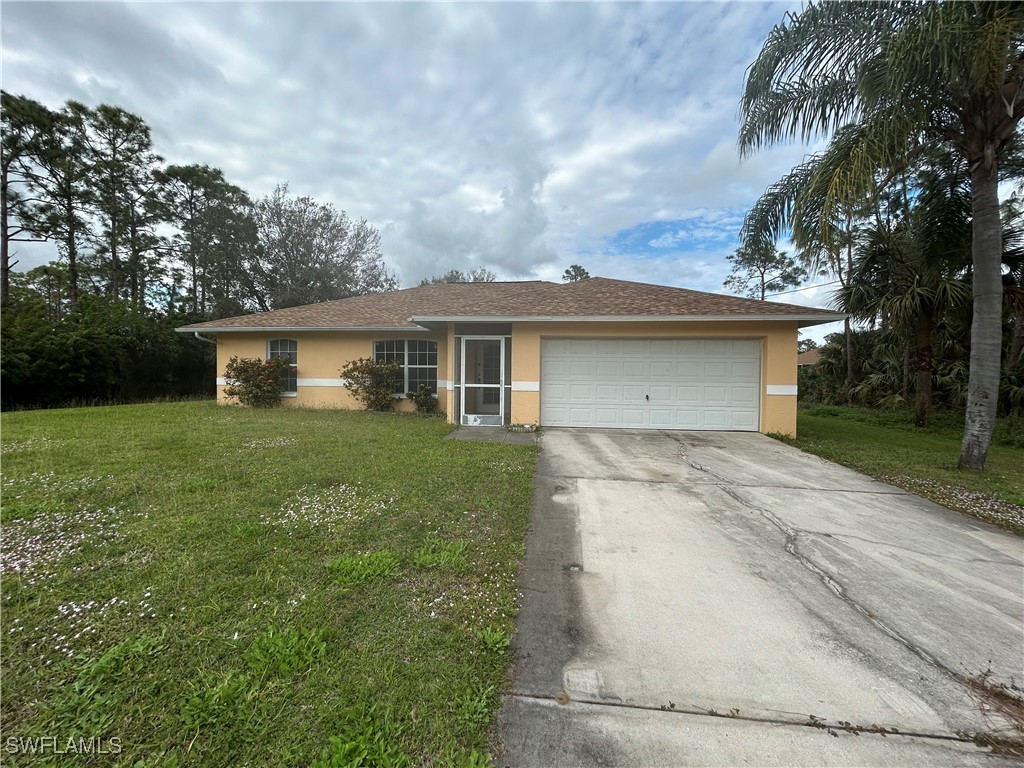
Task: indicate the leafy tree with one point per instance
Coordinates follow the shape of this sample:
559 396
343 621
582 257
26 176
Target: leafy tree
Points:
22 119
759 270
216 238
574 273
57 173
478 275
895 79
123 166
805 345
310 252
909 267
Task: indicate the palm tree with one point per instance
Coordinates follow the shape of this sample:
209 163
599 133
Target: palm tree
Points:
909 269
899 79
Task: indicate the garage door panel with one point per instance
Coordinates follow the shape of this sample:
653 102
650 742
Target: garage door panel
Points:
716 370
745 420
719 348
743 396
687 418
636 347
662 369
661 417
689 369
633 417
581 392
746 347
744 371
635 369
687 394
716 394
661 393
556 392
556 347
579 368
651 383
554 369
633 392
716 418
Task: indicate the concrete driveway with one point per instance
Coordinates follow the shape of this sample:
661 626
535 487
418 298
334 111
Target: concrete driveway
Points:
724 599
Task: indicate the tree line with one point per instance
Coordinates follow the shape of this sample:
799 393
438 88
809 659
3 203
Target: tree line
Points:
920 103
144 246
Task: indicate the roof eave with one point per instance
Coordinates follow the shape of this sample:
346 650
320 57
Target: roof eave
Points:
803 320
297 328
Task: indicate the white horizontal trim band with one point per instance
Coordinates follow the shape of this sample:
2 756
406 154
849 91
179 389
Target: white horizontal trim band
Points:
780 389
525 386
222 382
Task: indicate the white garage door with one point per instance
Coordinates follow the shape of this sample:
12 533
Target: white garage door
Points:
651 383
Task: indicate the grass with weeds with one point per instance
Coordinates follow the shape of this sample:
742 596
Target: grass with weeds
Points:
349 570
887 446
217 586
444 555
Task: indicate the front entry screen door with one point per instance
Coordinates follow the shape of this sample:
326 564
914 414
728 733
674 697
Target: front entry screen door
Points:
483 361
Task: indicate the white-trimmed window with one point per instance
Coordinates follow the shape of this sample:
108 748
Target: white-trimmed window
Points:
418 358
286 349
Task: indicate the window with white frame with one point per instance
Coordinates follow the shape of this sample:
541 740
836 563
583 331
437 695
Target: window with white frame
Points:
418 358
286 349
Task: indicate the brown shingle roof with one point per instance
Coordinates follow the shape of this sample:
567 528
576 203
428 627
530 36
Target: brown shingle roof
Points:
810 357
594 297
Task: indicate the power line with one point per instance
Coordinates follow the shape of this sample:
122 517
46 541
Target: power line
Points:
804 288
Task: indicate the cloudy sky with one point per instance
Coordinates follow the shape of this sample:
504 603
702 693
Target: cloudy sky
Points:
517 136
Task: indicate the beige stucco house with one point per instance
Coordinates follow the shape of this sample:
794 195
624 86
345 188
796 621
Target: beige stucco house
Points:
593 353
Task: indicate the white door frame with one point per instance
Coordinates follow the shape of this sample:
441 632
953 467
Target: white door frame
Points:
500 386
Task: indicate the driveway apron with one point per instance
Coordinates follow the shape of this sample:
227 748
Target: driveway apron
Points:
725 599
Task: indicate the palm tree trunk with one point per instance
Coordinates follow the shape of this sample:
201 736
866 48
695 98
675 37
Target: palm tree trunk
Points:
986 325
922 370
848 332
905 388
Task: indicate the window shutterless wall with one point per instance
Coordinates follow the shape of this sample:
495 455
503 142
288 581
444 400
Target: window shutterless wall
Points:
321 355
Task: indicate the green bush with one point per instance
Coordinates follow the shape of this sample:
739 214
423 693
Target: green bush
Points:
372 382
256 383
424 398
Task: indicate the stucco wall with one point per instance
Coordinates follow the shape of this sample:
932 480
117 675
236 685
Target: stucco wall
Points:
322 354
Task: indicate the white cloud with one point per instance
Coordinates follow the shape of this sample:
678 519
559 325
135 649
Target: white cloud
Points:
520 137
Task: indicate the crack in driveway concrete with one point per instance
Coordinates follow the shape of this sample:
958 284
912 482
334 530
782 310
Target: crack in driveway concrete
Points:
681 592
802 720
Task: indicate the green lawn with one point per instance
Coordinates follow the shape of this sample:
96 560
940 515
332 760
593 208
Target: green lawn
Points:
887 446
201 585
